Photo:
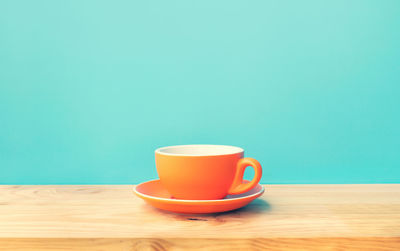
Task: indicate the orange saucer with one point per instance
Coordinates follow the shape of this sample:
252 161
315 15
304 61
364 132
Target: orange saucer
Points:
156 195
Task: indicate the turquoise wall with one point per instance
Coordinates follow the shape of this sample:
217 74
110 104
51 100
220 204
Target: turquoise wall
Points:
88 89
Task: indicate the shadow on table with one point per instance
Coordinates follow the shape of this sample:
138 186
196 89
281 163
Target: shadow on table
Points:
257 206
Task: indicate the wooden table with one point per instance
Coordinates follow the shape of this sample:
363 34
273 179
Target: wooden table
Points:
110 217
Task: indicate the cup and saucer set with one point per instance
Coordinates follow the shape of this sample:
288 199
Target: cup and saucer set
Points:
201 179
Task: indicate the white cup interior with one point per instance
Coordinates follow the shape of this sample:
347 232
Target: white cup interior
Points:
199 150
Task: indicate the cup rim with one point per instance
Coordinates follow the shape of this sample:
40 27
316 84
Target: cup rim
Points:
223 150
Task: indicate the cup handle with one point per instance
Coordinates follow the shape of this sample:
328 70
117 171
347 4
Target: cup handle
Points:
238 186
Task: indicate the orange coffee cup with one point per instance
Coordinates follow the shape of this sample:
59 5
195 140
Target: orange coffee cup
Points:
204 172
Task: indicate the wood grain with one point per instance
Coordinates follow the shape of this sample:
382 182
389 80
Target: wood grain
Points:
298 217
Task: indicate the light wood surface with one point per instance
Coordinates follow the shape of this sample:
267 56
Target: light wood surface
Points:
110 217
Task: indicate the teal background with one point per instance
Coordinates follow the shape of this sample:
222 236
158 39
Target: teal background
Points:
88 89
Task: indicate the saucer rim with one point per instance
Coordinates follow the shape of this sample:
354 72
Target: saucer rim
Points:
259 193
